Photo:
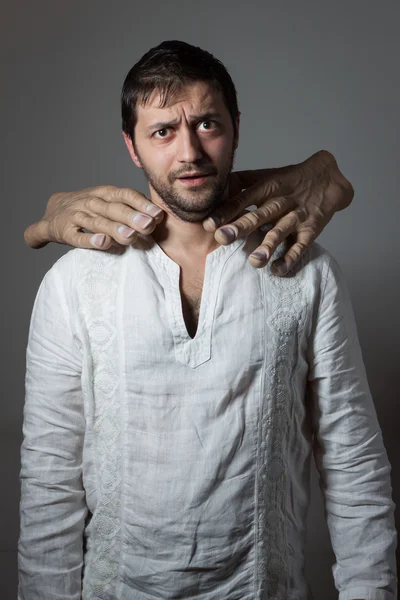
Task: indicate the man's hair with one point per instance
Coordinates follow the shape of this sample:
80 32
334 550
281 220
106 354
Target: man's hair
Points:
167 68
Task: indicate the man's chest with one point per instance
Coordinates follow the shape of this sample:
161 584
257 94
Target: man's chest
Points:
159 313
191 287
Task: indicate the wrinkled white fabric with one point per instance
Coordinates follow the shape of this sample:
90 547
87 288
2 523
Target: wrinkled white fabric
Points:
159 466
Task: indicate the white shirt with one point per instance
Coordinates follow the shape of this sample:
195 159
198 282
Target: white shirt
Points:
159 466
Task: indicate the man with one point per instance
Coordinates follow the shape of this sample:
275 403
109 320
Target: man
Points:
175 394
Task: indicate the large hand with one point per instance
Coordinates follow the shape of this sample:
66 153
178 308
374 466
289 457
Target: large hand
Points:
111 213
300 200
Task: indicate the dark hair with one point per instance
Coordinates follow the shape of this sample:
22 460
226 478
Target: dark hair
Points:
167 67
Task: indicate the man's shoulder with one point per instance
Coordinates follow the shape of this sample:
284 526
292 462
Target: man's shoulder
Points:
318 258
322 261
321 272
316 273
80 259
81 264
313 265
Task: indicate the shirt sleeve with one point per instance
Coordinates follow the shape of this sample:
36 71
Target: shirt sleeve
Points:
349 451
53 508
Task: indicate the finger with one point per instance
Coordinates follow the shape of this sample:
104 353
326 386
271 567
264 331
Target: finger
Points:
284 264
256 195
119 232
98 241
132 198
284 227
270 211
118 213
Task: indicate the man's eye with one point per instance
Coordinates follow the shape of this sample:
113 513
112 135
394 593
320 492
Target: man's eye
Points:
207 124
161 133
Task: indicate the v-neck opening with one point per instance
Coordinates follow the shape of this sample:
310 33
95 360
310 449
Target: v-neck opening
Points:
197 350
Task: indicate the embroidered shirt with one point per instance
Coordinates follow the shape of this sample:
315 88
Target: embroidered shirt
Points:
155 465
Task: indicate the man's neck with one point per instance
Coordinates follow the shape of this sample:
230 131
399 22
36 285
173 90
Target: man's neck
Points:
178 238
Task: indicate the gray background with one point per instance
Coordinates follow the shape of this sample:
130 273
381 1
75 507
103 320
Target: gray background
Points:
310 75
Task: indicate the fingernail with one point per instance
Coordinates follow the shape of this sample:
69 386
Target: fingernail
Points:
228 233
280 267
142 221
98 240
152 210
213 221
260 255
126 232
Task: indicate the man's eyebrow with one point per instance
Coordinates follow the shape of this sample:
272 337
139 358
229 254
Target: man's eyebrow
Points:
165 124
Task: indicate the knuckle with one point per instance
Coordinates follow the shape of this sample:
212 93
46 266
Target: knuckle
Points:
106 209
278 204
78 239
265 212
298 216
293 221
104 189
99 223
295 253
90 203
277 233
268 245
74 240
249 220
119 193
124 191
117 211
80 217
310 229
129 197
301 247
126 213
269 187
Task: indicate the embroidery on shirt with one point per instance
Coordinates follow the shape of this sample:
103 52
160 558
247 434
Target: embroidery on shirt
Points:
283 324
97 293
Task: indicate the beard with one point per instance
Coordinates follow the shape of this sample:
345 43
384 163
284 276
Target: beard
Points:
199 201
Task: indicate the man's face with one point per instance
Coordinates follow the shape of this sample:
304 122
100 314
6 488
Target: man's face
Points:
186 150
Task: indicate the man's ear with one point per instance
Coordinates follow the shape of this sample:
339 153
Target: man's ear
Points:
131 150
236 141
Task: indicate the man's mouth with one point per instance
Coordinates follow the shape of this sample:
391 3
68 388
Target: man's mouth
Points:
194 178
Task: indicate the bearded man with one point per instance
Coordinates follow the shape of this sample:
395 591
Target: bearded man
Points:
175 394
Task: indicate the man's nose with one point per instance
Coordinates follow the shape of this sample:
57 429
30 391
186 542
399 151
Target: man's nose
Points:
189 146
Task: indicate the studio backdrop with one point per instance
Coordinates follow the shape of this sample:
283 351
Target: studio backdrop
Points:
310 75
